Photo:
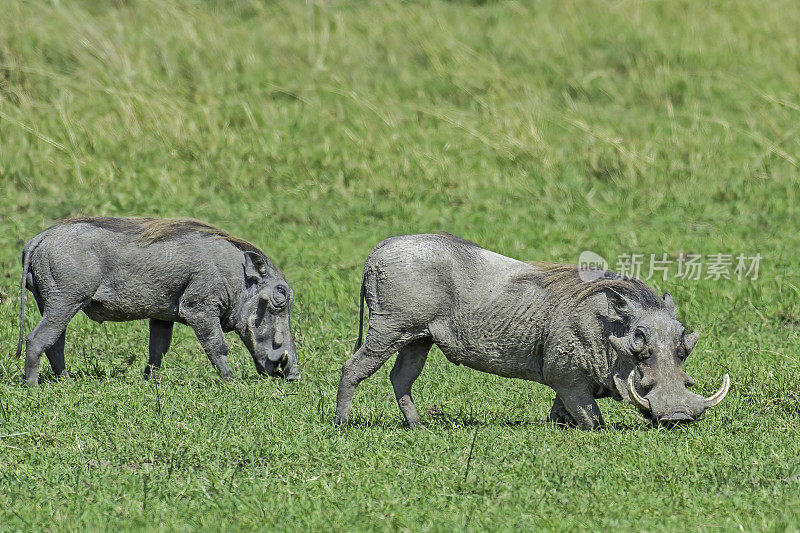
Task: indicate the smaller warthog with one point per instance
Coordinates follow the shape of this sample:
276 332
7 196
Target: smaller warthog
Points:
167 270
608 336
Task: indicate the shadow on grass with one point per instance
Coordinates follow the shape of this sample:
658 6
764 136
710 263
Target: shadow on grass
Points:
441 422
455 422
435 418
47 376
628 426
121 374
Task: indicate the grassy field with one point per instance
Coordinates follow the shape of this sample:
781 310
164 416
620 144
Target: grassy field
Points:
315 130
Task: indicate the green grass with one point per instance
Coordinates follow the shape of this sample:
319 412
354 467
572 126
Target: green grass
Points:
317 129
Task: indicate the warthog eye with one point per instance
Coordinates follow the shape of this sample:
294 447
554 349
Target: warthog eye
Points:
682 352
639 339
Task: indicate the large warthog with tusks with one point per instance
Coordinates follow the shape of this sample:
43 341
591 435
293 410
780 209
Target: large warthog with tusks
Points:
608 336
166 270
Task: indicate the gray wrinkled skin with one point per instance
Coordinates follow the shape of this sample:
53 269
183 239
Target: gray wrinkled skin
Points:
538 322
165 270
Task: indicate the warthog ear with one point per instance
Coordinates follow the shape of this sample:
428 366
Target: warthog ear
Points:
669 305
619 306
254 266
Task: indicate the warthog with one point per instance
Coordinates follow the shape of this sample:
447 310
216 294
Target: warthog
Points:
611 336
167 270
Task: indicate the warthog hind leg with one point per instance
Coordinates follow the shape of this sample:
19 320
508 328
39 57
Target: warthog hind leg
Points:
378 347
48 335
55 354
410 360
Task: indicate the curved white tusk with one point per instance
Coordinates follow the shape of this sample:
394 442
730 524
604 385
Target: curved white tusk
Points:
285 357
717 397
638 401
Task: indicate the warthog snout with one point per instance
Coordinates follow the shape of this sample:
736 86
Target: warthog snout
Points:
282 365
286 367
675 418
673 408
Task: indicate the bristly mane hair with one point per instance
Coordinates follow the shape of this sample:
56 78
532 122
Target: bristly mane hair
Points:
564 280
150 230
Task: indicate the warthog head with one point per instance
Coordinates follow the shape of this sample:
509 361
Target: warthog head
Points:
264 323
652 353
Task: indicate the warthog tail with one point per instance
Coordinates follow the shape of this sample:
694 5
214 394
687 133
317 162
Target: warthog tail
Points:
361 313
26 264
27 252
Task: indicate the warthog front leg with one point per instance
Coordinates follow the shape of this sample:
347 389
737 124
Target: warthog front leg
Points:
575 406
410 361
209 333
559 414
160 339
